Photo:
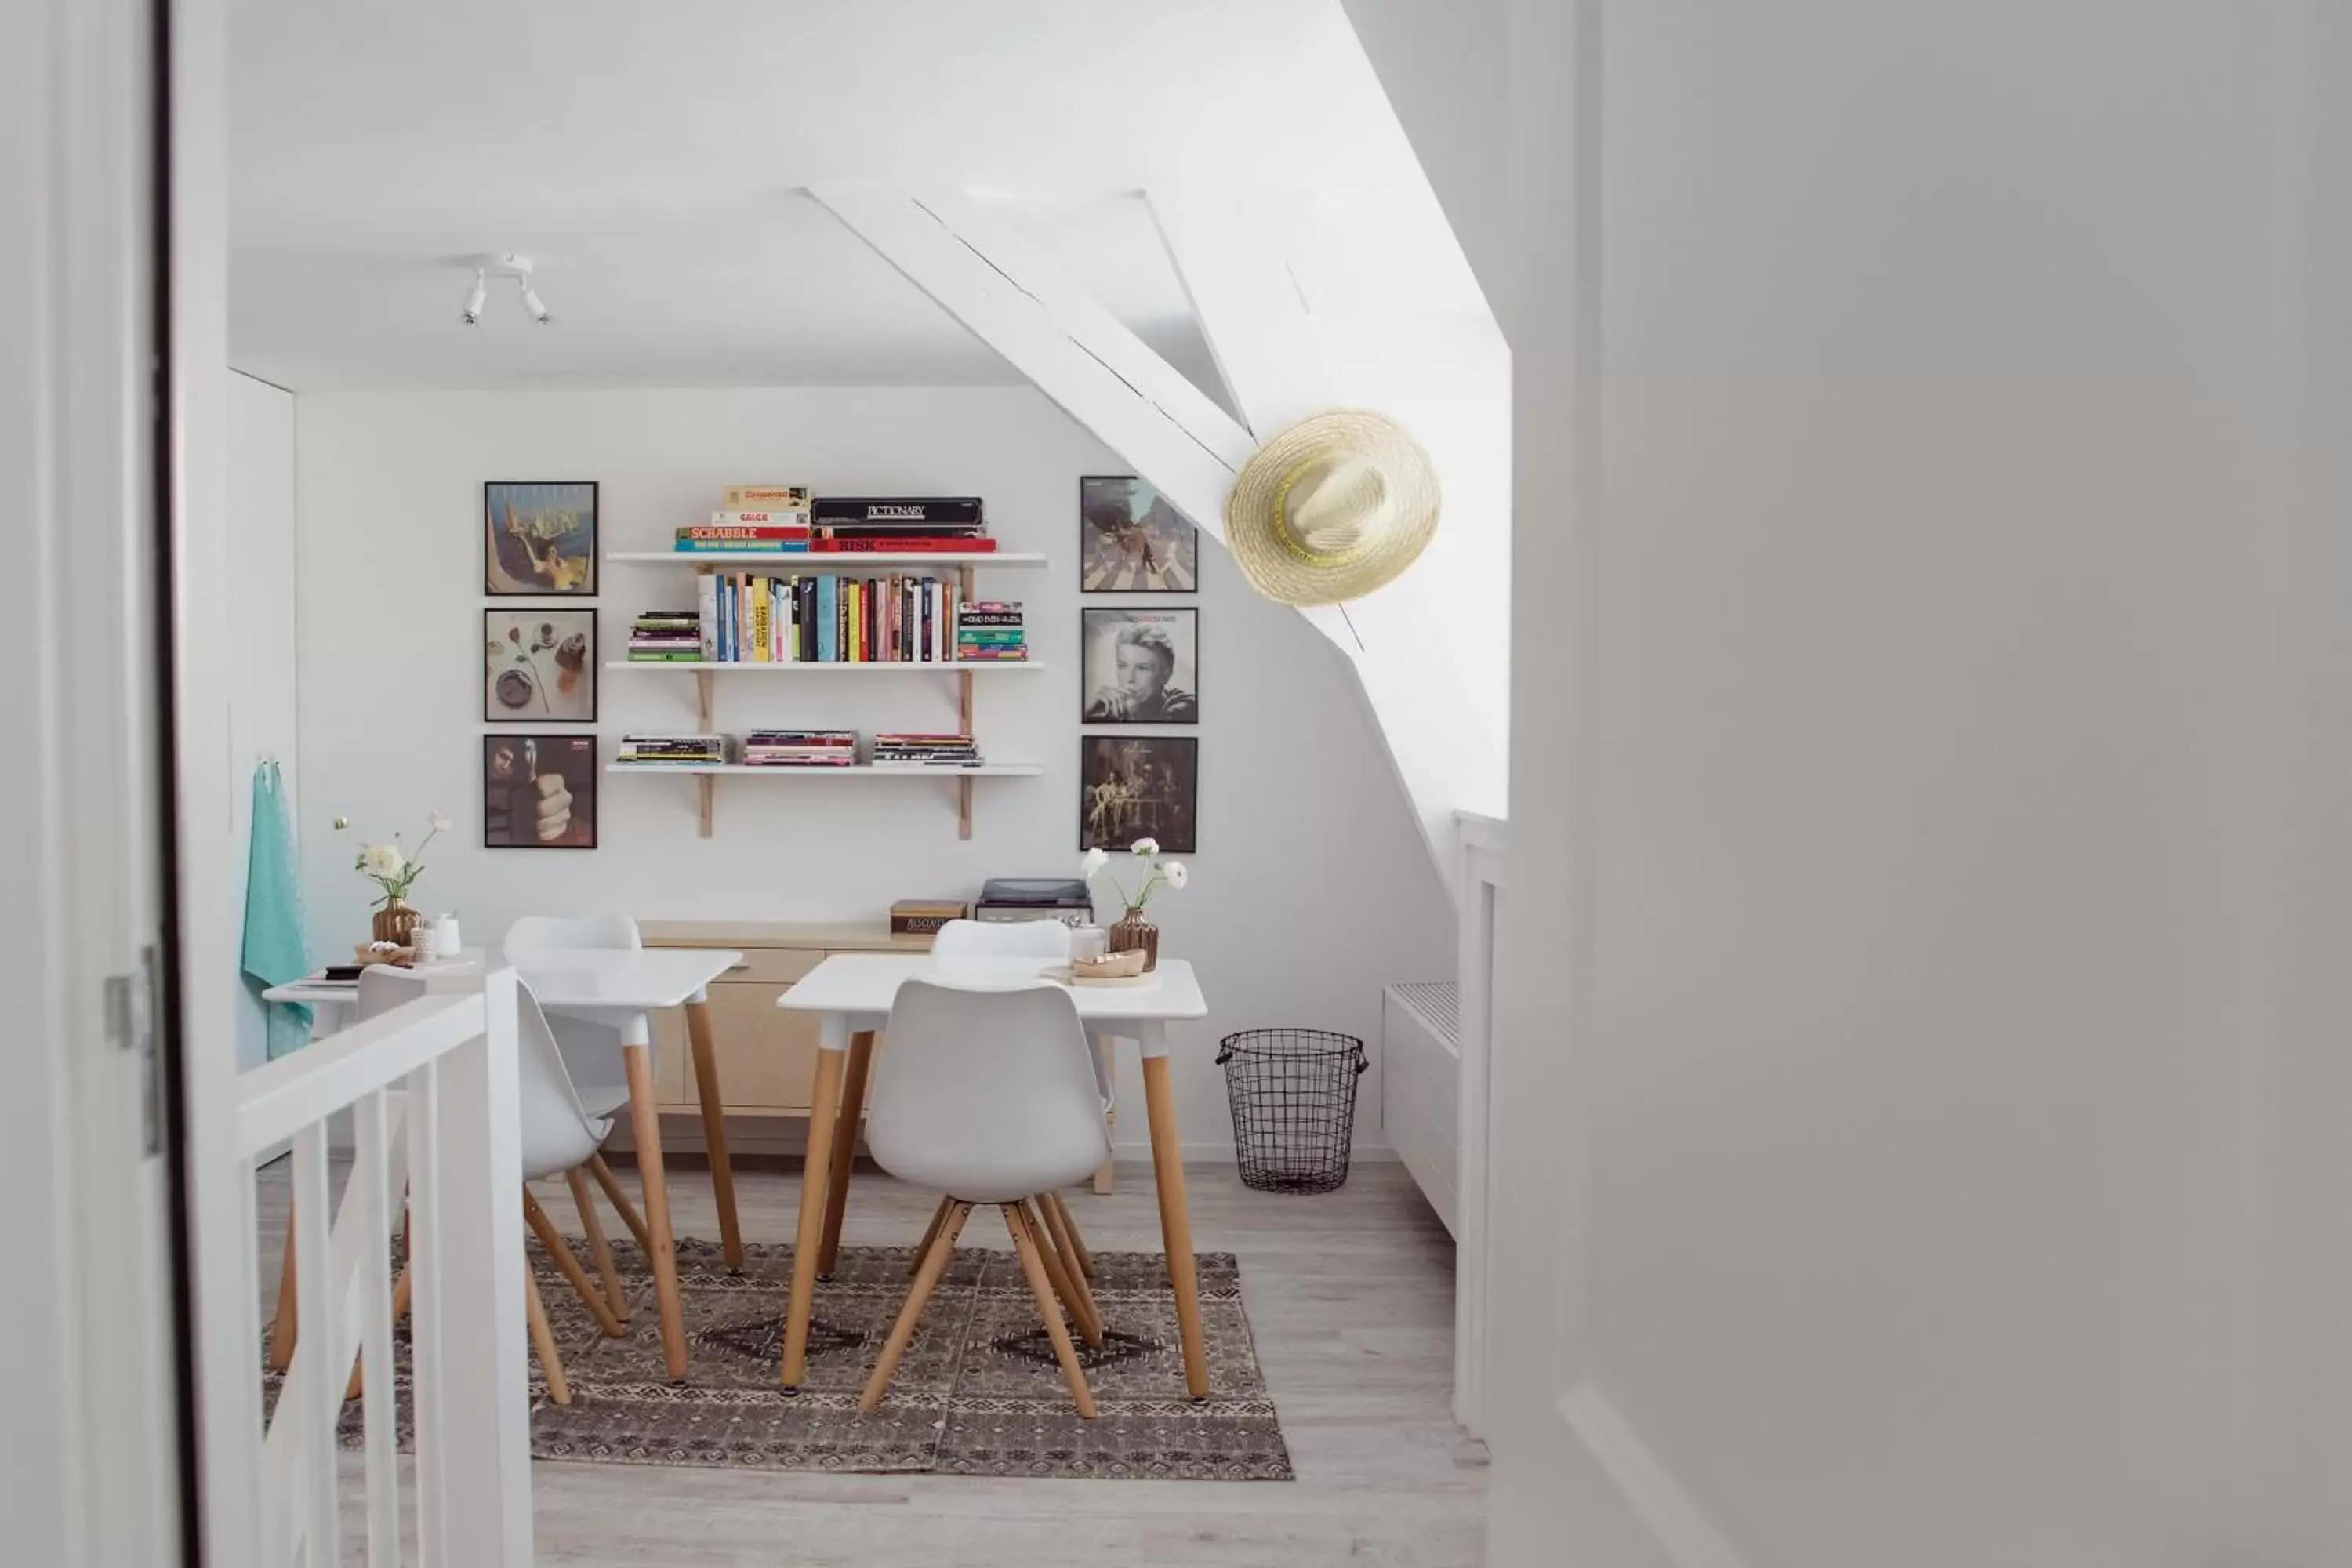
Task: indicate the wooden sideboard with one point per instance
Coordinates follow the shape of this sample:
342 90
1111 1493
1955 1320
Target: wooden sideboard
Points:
767 1056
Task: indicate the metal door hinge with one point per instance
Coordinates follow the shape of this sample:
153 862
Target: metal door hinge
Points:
132 1004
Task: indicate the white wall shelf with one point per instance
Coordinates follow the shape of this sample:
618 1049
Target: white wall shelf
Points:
706 671
836 771
840 562
705 775
828 667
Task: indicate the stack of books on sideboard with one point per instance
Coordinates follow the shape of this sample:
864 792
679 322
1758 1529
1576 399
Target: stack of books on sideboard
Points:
785 520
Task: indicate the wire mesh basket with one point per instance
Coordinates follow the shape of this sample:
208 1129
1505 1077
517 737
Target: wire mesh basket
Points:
1294 1100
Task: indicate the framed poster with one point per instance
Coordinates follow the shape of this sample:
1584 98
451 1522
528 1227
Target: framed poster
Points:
1139 666
1135 787
1131 541
539 792
539 537
539 666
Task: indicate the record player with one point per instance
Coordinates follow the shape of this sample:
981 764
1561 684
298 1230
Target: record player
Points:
1063 899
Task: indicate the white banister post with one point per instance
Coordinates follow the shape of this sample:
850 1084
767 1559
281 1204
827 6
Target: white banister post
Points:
482 1367
1483 855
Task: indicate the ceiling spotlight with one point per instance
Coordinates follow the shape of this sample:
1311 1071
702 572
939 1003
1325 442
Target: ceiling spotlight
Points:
506 264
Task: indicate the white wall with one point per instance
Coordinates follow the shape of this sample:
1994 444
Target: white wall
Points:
1312 889
1923 821
2301 1448
263 660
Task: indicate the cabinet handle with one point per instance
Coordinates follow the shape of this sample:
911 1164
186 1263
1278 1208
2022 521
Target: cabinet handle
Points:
738 964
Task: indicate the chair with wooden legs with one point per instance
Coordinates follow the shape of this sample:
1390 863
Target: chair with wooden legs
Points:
988 1096
1049 941
558 1138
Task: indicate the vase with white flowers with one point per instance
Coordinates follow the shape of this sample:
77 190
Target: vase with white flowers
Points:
395 867
1134 933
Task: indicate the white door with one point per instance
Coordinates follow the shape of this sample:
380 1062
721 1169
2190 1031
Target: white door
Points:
92 1424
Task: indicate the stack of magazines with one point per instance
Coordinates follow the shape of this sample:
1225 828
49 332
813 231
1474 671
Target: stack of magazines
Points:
800 748
926 752
663 637
673 751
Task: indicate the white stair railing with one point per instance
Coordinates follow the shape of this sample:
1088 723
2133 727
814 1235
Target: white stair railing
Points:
1485 851
432 1090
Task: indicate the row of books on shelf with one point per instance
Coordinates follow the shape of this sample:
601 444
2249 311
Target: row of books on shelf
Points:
749 618
785 520
800 749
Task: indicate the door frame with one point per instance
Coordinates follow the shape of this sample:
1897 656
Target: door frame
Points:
97 1421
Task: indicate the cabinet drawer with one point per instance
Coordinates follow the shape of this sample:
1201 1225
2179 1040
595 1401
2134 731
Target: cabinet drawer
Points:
766 1057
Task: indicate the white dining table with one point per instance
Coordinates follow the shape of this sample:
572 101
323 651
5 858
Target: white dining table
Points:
617 987
853 993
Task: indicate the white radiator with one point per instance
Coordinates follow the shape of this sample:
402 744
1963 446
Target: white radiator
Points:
1421 1087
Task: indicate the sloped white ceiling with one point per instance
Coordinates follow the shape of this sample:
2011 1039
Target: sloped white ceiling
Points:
648 157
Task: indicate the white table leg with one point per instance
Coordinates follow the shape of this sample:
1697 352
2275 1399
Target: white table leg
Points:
1106 1051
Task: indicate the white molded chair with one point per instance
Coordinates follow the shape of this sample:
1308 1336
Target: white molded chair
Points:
592 1051
1049 941
988 1096
558 1138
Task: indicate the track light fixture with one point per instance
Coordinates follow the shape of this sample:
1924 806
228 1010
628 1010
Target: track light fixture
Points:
513 266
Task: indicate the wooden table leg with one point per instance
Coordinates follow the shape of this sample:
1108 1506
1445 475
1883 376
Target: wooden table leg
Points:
714 1129
1107 1178
845 1128
282 1326
810 1238
644 1123
1176 1220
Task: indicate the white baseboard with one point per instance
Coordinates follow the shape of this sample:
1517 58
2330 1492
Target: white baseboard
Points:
1658 1501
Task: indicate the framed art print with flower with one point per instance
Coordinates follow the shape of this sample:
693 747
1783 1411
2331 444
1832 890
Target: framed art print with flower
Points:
539 667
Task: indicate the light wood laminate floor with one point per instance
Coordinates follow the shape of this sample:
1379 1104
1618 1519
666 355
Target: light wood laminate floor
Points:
1350 1297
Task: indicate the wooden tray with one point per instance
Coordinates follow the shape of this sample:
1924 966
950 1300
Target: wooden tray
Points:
1060 974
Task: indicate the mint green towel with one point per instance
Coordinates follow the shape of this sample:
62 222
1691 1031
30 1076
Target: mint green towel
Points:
277 951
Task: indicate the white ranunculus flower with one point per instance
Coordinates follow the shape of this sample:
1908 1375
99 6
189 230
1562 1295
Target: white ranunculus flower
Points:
1144 847
382 861
1093 862
1177 873
438 821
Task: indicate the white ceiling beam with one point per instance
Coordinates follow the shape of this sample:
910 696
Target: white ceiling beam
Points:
1235 251
1012 298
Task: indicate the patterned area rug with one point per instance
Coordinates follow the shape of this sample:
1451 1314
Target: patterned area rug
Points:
978 1392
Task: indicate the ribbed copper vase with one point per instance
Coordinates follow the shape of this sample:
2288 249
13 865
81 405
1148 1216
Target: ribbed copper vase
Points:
396 922
1133 934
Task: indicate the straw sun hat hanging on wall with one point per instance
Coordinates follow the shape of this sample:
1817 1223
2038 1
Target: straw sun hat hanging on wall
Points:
1332 508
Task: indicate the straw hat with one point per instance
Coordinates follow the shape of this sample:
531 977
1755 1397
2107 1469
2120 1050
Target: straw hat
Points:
1332 508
